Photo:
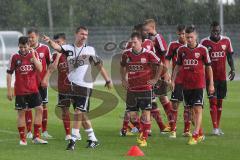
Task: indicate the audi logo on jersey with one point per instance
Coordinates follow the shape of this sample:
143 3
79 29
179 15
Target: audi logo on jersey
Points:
26 68
135 67
218 54
190 62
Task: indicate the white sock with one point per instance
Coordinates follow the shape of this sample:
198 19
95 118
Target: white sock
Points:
91 135
75 134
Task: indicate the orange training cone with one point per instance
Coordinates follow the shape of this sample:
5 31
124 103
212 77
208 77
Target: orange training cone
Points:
135 151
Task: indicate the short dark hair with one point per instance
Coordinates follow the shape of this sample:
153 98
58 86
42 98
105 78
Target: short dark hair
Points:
137 35
181 27
23 40
138 27
214 24
33 30
81 27
191 29
59 35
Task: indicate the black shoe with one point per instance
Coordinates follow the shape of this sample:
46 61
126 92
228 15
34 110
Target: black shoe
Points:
92 144
71 145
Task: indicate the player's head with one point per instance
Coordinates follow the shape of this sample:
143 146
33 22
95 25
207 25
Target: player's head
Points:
81 34
23 45
191 35
141 29
136 39
33 36
150 26
215 30
60 38
181 33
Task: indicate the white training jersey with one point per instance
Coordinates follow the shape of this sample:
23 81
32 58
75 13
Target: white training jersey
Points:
80 61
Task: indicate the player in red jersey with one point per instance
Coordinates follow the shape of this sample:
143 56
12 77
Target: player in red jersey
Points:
192 57
45 58
137 77
155 112
220 49
160 46
25 64
177 97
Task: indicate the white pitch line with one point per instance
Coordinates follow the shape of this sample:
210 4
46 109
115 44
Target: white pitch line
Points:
7 131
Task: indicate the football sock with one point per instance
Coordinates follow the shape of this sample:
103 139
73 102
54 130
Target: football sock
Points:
28 118
66 123
155 113
213 111
44 119
187 121
21 131
37 130
91 135
219 111
75 134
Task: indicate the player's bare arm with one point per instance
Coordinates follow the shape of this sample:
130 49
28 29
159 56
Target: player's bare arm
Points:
174 75
9 88
230 61
36 62
157 75
209 72
54 45
123 72
104 74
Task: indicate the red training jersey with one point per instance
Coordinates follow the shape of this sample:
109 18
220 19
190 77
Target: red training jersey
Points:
218 53
45 58
160 46
63 83
172 55
25 73
139 69
193 61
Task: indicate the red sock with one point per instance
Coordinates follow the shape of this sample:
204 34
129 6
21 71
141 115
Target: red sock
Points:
155 113
187 121
146 129
28 118
213 111
44 119
173 122
126 120
200 133
219 111
168 109
195 135
21 131
36 130
66 123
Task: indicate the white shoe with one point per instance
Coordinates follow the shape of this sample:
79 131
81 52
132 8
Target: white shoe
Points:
68 137
29 135
23 143
134 130
220 132
216 132
39 141
46 135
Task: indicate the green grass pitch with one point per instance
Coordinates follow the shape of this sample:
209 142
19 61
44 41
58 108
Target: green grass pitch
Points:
114 147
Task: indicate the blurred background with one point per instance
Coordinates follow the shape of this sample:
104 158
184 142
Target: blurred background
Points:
110 21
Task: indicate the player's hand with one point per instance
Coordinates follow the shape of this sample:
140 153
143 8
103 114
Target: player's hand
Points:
152 81
46 38
211 89
231 75
10 95
108 84
44 83
125 84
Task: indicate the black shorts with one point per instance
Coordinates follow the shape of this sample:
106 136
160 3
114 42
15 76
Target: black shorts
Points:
193 97
64 100
80 97
44 94
139 100
220 89
177 94
28 101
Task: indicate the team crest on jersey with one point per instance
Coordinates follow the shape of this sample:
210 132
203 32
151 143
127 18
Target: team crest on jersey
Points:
143 60
209 48
41 55
197 55
18 62
224 47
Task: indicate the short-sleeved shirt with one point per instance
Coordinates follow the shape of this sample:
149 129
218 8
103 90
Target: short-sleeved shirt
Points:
193 61
25 73
218 53
80 61
160 46
172 55
63 83
139 69
45 58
